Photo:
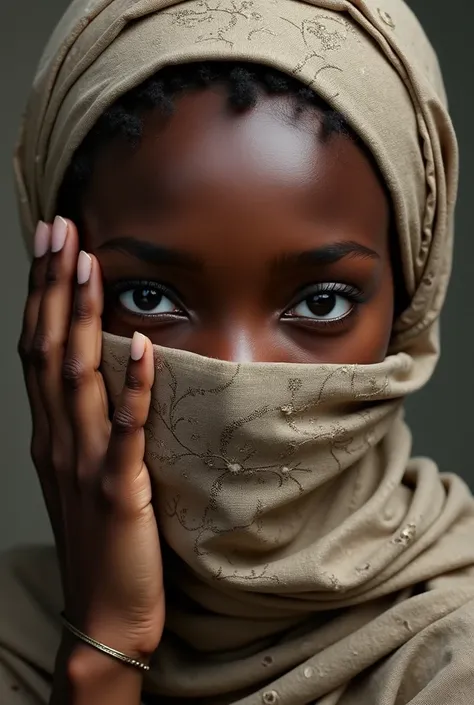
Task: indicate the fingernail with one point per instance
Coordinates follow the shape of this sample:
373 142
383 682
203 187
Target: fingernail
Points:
42 239
59 234
84 268
138 347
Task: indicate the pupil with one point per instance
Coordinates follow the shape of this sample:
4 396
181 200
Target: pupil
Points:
146 299
322 304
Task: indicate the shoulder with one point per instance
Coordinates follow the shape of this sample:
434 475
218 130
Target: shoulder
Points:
434 667
438 663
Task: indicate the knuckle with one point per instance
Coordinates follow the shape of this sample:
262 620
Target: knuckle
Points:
133 382
83 312
116 497
53 272
41 350
107 491
124 422
23 349
38 453
73 373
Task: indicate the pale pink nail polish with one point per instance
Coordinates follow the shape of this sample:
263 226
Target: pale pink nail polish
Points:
138 347
84 268
59 234
42 239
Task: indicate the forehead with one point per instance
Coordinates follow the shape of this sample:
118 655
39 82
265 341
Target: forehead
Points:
209 161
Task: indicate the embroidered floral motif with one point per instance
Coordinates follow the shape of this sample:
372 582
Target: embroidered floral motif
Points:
221 481
321 35
223 18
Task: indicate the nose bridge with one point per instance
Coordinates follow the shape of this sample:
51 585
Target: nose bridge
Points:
244 345
236 325
238 342
238 321
240 339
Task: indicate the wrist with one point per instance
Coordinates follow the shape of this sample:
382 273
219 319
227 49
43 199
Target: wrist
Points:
114 644
86 676
85 664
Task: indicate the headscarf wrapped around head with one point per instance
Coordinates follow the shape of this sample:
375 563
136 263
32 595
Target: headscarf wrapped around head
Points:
305 504
368 59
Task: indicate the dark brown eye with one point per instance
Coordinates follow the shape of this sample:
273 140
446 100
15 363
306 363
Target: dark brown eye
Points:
147 300
323 306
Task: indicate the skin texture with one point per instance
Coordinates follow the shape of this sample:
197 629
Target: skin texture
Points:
243 219
240 199
95 483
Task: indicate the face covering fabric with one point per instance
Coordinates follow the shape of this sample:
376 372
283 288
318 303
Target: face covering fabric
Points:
308 557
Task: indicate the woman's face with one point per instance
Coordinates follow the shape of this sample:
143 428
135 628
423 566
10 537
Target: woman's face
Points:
244 237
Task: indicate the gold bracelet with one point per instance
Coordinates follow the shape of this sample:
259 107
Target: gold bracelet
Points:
102 647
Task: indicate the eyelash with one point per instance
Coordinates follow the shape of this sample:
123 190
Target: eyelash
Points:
352 293
124 286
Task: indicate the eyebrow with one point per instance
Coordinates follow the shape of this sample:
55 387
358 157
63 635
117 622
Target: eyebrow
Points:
158 255
151 253
326 255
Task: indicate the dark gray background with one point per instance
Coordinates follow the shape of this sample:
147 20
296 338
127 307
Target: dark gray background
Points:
440 416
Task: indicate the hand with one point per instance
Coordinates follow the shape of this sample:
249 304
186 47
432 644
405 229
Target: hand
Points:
94 480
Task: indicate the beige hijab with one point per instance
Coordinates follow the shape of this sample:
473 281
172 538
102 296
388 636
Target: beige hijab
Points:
298 531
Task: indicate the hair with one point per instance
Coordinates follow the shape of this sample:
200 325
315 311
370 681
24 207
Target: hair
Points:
244 82
124 120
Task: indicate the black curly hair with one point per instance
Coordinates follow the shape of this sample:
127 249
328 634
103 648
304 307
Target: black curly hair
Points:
244 83
124 120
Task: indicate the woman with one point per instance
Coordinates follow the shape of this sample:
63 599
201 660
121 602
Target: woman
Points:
260 194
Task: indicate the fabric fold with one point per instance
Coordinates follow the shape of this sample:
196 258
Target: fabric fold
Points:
308 558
